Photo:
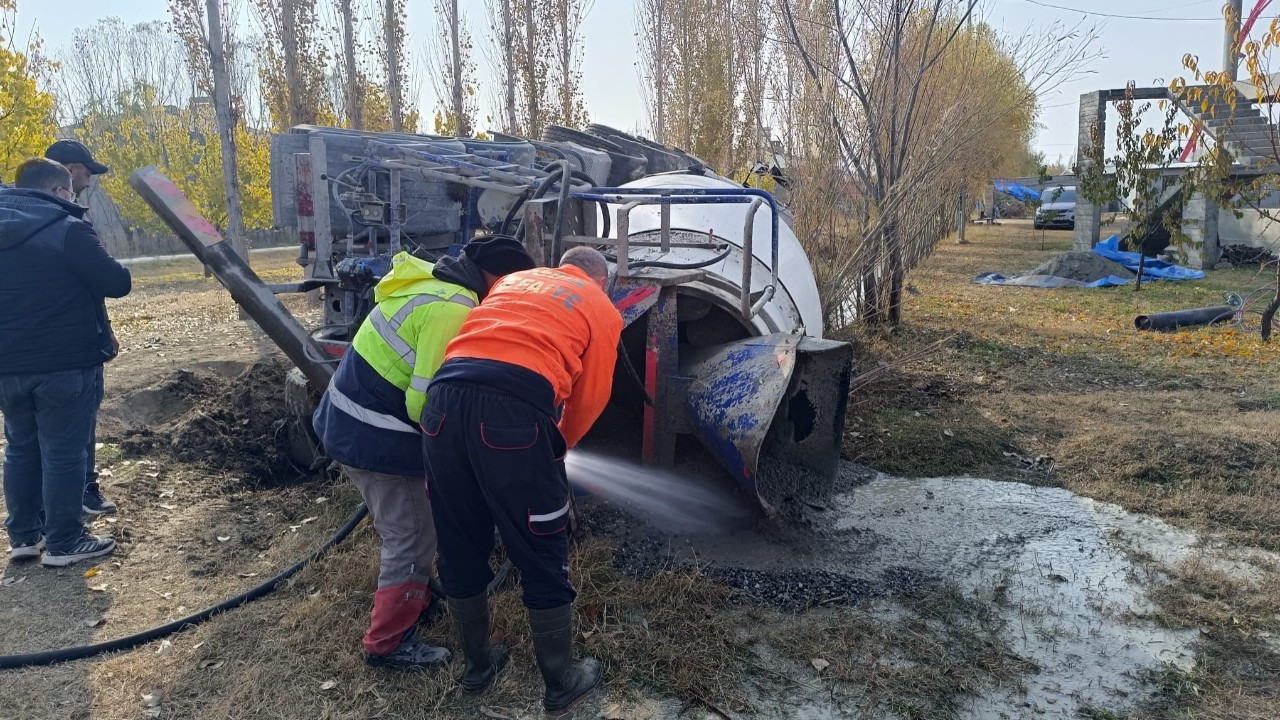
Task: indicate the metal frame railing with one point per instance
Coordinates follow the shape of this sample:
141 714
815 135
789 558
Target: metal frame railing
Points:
666 197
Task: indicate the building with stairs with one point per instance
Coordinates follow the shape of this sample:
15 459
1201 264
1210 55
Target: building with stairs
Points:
1251 136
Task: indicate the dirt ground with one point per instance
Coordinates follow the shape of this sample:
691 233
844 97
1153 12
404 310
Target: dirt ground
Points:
1017 581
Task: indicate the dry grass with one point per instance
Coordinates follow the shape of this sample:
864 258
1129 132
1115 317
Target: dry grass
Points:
1181 425
920 662
673 635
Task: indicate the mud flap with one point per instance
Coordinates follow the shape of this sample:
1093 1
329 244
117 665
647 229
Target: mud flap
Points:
781 396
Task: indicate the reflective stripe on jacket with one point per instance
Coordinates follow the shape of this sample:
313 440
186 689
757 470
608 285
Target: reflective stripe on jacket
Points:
368 416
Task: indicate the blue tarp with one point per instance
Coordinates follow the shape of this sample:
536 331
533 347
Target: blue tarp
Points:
1017 190
1152 270
1110 249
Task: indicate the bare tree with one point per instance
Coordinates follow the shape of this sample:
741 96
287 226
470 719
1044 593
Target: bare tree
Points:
917 101
652 17
565 22
393 38
687 55
502 58
536 53
454 72
455 45
226 125
529 62
293 62
351 77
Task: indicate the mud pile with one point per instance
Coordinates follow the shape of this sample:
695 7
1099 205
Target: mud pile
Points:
1082 266
229 425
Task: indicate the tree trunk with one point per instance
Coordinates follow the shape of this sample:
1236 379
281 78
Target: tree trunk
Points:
354 114
1142 264
962 220
509 58
566 66
226 128
289 39
461 122
897 274
391 33
660 72
532 79
1269 314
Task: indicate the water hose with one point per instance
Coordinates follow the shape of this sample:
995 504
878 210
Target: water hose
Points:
50 657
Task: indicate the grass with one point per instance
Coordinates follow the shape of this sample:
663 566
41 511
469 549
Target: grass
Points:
1043 386
672 634
1180 425
939 648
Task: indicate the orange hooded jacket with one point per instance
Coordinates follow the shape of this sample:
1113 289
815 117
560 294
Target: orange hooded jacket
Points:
558 323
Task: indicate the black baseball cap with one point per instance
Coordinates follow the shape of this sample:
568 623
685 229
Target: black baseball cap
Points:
71 151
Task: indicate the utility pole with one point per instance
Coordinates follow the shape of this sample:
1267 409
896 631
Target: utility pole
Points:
226 130
1231 40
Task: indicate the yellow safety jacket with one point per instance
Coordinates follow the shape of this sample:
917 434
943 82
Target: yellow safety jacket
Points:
369 415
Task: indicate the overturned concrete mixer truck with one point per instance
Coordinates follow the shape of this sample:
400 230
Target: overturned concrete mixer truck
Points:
723 339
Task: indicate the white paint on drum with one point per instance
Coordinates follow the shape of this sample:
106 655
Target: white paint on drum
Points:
796 301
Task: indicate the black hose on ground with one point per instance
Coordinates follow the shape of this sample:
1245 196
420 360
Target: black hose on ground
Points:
50 657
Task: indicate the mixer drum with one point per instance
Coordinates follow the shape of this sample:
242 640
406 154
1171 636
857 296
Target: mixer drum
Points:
764 394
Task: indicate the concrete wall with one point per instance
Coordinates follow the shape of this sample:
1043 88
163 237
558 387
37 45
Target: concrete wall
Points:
1250 229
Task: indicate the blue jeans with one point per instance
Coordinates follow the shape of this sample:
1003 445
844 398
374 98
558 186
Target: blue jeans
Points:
91 450
48 422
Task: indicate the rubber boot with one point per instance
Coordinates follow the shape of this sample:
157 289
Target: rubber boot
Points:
567 681
484 660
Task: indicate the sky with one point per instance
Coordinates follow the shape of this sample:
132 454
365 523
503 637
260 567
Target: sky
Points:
1147 50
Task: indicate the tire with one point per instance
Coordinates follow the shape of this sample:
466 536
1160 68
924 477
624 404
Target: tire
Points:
1037 225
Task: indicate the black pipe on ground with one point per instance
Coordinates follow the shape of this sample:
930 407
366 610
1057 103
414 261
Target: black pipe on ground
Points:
50 657
1164 322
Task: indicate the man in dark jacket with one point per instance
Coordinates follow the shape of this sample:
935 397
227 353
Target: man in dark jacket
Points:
54 274
79 161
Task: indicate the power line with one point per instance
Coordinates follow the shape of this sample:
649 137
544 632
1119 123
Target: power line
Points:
1154 18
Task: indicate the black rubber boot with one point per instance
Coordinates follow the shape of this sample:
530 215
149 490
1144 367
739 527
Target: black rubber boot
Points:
567 681
471 615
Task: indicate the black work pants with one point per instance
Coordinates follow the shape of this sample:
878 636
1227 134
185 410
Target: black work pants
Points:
493 460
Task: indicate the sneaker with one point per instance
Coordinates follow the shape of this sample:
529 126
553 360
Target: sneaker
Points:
26 551
94 503
89 546
413 654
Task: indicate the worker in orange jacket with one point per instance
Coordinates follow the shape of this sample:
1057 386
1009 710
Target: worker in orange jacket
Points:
528 373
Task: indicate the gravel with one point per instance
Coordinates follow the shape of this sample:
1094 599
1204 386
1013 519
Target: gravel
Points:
1083 266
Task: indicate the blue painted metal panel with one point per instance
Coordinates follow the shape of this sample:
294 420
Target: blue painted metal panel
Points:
734 395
